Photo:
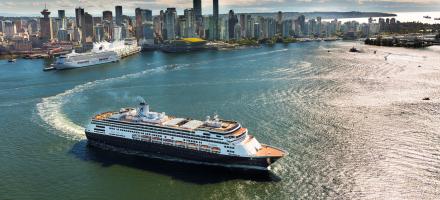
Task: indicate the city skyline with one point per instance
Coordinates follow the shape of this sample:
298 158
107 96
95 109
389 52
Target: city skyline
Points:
22 8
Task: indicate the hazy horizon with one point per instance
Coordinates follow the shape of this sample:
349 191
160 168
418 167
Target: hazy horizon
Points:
33 8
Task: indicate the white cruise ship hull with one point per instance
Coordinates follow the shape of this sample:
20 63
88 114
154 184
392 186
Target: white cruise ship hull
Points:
74 65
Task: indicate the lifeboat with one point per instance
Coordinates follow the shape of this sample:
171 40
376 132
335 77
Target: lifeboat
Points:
192 146
146 138
168 141
180 144
156 139
215 150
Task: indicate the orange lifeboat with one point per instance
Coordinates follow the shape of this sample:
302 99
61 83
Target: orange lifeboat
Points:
215 150
192 146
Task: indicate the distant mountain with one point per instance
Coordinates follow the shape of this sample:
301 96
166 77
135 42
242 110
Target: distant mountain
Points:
326 15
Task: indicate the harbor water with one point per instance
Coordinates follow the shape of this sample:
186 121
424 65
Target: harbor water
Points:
355 124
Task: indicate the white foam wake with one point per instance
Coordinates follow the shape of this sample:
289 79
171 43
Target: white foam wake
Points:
50 108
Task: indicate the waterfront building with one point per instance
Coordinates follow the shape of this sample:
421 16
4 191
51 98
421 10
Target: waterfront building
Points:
224 29
32 26
9 29
190 23
46 33
79 16
237 32
118 11
63 35
144 24
302 24
107 15
197 7
279 22
62 19
88 28
286 28
99 33
232 21
215 30
257 31
170 24
117 33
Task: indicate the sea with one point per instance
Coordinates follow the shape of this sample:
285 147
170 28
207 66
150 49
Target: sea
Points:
355 124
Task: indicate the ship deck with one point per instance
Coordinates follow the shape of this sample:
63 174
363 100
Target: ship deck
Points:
268 151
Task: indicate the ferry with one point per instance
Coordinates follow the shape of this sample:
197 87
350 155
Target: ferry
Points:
213 141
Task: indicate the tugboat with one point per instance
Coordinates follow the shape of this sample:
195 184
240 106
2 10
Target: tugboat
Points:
213 141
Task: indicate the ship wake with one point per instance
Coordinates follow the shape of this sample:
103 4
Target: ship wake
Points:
51 112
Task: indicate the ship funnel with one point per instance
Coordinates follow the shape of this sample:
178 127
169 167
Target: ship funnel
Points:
144 109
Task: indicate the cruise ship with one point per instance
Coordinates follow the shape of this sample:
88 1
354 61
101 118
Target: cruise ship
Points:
210 142
78 60
103 52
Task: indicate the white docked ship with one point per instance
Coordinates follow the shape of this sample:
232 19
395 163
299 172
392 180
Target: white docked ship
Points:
103 52
213 141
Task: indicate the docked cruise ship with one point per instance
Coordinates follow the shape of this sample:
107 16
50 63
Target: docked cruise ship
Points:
212 142
78 60
103 52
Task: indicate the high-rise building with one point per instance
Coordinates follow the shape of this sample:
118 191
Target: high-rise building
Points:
79 15
257 30
279 22
190 23
197 6
170 23
46 33
88 28
215 20
107 15
9 28
144 24
118 11
232 21
302 24
62 20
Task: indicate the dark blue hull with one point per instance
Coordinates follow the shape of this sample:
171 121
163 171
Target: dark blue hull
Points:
187 155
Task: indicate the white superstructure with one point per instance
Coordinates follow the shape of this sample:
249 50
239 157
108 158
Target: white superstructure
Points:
212 135
103 52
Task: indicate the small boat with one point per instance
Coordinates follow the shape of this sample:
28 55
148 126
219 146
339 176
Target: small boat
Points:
438 18
12 60
427 17
354 50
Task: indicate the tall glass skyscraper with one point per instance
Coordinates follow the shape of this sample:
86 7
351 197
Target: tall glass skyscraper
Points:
216 18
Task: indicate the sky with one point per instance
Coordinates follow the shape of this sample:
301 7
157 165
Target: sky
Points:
33 7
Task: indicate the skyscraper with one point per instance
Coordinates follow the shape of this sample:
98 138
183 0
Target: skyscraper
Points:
170 23
233 20
88 28
144 24
197 6
190 23
46 33
216 20
107 15
79 15
118 11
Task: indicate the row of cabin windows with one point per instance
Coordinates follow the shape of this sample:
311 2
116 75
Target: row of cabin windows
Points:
205 135
127 130
229 147
230 151
192 141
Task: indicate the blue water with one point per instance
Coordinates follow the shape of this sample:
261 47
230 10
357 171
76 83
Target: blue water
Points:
284 94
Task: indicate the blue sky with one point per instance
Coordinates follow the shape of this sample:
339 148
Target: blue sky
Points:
32 7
